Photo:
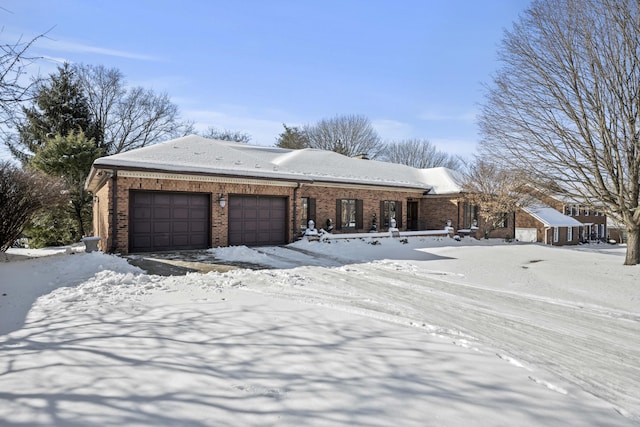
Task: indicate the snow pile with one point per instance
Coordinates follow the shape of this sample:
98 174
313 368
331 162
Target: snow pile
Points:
427 332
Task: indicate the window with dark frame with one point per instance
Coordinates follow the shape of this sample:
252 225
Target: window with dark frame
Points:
469 214
304 215
388 212
503 221
349 214
308 211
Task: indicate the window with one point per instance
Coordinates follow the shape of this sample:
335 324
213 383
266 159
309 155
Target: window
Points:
556 234
304 215
569 234
308 211
586 211
390 209
469 215
602 231
502 221
348 214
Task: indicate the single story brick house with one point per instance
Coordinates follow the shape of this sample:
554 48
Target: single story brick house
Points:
195 193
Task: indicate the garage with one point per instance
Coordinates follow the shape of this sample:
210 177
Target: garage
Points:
527 235
168 221
257 220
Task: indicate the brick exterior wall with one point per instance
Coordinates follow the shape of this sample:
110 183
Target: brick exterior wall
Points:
325 196
435 211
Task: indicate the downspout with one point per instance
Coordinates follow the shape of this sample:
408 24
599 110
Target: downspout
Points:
295 209
114 202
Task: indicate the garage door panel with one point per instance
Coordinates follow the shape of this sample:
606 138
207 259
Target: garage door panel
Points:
141 212
142 199
198 240
169 221
198 213
161 212
180 227
162 227
161 198
180 240
161 240
199 228
141 227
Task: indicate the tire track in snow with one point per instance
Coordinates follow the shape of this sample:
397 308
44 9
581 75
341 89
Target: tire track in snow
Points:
592 348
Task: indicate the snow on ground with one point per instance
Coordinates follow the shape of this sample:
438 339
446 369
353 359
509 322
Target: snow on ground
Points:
359 332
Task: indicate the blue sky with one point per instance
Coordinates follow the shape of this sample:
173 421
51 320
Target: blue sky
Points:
414 68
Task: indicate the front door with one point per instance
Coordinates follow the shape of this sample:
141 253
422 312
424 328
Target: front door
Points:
412 215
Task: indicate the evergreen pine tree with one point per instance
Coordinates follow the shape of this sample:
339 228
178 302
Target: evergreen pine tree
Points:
293 138
70 157
60 107
59 138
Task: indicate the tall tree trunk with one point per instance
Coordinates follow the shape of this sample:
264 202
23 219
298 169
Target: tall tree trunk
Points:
633 246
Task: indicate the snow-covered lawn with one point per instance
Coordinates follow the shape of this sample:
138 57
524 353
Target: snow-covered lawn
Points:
431 332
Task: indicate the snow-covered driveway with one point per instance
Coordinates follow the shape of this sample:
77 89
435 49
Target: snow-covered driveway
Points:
578 321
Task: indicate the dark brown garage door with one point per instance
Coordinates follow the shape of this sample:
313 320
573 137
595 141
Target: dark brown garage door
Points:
257 220
167 221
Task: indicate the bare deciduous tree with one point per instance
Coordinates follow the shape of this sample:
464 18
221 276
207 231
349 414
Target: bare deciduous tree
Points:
350 135
227 135
22 195
565 106
129 117
419 153
14 88
496 192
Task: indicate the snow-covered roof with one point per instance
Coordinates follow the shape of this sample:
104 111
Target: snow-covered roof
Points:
442 180
550 217
195 154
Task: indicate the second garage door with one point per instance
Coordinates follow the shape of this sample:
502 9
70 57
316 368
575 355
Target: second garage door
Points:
257 220
168 221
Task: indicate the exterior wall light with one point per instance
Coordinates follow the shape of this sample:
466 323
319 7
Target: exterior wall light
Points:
222 201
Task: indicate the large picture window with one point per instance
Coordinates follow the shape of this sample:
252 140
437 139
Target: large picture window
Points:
349 214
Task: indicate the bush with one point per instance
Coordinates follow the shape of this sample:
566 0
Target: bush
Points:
51 227
22 195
